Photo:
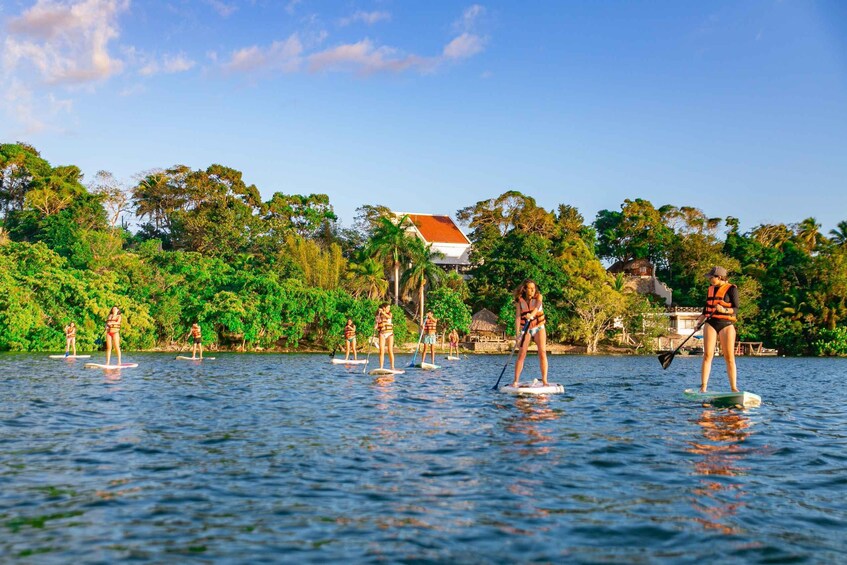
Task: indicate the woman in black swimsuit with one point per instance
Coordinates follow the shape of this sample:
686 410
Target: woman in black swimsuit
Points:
720 315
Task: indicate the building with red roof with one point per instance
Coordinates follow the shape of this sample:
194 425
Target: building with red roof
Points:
444 236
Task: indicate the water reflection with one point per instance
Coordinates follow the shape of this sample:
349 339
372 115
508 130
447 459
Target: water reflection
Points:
718 497
527 421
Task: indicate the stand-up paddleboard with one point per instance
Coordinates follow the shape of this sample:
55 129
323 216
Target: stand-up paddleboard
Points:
102 366
743 398
428 366
184 358
348 361
385 372
535 387
451 358
70 356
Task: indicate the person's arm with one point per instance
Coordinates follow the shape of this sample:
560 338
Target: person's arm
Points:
517 318
535 311
732 298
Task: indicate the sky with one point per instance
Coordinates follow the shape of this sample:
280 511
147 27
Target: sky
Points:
736 108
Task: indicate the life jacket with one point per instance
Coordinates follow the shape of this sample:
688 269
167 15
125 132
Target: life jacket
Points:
195 331
113 324
527 308
349 331
429 326
70 332
717 296
385 323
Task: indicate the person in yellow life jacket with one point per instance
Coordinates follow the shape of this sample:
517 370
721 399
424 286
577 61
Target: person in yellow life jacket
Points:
70 339
350 338
196 336
384 325
529 307
113 334
429 337
719 314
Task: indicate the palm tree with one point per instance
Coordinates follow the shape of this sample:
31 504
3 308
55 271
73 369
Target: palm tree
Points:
808 234
839 235
422 270
390 244
368 277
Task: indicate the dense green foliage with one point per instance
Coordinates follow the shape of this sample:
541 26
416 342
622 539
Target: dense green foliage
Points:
282 274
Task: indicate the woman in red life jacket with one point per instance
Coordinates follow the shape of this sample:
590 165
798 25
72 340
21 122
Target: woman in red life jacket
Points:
70 339
350 338
113 334
528 307
720 314
385 326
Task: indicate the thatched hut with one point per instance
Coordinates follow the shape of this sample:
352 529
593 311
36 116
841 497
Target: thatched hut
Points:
486 327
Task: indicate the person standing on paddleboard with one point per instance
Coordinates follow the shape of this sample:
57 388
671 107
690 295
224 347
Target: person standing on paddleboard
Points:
70 339
350 338
113 334
197 336
454 343
429 337
528 308
385 326
720 315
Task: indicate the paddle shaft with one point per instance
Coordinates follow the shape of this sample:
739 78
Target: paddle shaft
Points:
417 347
675 351
509 360
368 356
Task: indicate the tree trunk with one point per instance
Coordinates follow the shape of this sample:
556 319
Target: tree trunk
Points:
421 297
396 283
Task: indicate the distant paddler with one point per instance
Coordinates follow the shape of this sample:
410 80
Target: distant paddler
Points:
113 334
197 340
529 312
70 339
453 338
350 339
719 314
429 337
384 325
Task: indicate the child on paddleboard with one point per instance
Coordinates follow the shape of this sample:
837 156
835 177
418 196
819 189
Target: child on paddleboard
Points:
720 314
350 338
454 343
429 337
529 308
385 326
70 339
197 340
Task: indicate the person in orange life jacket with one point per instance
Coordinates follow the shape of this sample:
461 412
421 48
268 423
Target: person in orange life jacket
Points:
197 337
113 334
528 306
429 337
350 338
720 314
70 339
385 326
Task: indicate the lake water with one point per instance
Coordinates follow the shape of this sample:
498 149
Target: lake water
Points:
269 458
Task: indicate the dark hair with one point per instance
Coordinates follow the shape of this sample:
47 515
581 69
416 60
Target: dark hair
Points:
520 292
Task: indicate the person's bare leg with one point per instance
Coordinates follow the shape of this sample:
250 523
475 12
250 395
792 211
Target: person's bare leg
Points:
709 339
390 341
108 349
118 347
727 337
541 342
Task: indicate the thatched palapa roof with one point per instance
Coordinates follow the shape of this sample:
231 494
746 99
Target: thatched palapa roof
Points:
486 321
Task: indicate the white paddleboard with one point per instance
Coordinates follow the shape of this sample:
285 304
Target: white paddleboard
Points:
742 398
101 366
70 356
184 358
428 366
451 358
348 362
535 387
385 372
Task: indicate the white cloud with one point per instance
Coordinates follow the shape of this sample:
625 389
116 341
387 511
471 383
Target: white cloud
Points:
469 18
464 46
65 42
365 58
170 64
285 56
223 9
368 18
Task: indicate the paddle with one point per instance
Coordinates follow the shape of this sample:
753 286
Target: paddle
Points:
509 360
666 358
368 356
417 347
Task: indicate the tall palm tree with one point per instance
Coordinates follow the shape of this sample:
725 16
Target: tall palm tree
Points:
839 235
368 277
422 270
390 243
808 234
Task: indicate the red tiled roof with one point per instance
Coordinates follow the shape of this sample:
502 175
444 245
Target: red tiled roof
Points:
438 229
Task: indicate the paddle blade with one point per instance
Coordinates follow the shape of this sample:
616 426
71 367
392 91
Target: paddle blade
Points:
665 359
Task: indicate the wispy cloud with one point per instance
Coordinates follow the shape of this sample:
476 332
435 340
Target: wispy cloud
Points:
368 18
224 9
170 64
285 56
364 57
65 43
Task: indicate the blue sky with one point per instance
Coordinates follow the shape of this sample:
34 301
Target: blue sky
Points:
737 108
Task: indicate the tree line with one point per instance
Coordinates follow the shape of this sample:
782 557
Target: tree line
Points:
284 273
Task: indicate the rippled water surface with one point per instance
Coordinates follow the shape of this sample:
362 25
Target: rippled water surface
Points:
253 458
